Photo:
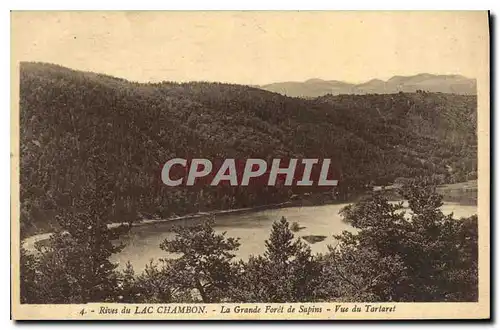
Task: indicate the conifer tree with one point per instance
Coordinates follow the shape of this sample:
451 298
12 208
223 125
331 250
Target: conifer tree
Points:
287 272
205 262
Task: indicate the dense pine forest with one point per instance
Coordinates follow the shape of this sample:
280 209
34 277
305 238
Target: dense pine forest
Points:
90 141
92 148
417 256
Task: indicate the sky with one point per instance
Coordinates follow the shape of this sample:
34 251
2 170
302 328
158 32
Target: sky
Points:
254 47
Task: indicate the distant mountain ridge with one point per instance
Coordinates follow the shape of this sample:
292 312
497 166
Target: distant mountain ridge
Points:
452 84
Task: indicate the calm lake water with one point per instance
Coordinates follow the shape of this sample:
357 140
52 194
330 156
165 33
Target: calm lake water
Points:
253 228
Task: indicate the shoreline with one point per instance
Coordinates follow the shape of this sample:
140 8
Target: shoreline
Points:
29 242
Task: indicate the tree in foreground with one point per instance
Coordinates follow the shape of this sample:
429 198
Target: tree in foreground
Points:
74 265
205 261
156 284
287 272
28 266
420 256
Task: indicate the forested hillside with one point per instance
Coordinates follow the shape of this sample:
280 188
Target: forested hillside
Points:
95 137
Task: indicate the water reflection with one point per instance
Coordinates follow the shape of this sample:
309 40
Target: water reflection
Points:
142 243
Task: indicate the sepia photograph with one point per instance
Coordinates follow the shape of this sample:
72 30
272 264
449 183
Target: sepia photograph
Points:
250 165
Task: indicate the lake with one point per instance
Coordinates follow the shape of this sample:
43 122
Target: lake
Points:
253 228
